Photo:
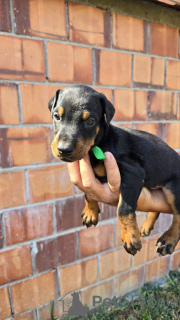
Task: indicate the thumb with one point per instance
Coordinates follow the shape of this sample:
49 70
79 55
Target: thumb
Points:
113 174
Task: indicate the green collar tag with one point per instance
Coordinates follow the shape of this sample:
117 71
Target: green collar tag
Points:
98 153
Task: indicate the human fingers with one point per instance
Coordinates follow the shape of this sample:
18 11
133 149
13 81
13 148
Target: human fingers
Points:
113 173
89 181
104 192
75 175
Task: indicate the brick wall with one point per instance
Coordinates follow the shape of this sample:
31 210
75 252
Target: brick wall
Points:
45 252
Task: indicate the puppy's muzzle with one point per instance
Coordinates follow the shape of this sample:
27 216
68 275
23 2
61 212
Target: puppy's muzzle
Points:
65 149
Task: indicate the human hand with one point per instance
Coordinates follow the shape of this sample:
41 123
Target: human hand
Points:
82 175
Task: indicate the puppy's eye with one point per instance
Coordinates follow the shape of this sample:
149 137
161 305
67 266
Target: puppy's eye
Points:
90 122
56 116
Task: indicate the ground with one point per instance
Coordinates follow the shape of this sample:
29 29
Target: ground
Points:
153 301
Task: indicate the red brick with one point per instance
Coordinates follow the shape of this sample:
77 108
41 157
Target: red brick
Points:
38 96
15 264
106 92
173 75
12 189
106 212
33 292
68 213
172 134
22 59
26 224
78 275
157 269
75 63
126 125
129 281
113 68
130 104
28 316
5 309
165 221
141 257
175 263
89 25
154 128
94 240
104 290
113 262
148 71
9 104
178 108
55 252
47 183
163 40
129 33
5 19
118 235
1 235
24 146
162 105
147 253
177 246
41 18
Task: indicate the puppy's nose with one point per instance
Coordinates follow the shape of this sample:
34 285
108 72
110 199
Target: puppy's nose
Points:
65 149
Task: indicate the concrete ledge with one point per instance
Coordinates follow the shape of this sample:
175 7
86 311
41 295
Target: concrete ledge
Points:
142 9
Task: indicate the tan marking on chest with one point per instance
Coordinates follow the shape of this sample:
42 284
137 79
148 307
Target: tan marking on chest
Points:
60 111
86 115
100 170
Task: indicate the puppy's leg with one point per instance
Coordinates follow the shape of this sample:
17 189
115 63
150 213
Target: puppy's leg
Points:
90 212
168 241
131 186
130 233
148 224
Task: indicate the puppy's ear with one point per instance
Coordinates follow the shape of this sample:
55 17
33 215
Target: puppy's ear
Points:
108 108
53 101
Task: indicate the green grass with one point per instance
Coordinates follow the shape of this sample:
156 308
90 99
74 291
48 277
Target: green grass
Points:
151 302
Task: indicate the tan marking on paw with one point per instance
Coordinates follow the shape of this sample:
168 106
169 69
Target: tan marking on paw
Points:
129 233
90 213
148 224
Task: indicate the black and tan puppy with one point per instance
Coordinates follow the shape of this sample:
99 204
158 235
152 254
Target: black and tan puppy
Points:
81 119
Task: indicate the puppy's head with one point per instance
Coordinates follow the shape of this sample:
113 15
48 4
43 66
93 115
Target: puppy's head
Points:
79 113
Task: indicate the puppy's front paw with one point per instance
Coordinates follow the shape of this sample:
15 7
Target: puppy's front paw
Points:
131 242
90 217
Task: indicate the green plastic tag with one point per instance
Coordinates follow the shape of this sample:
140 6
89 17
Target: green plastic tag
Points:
98 153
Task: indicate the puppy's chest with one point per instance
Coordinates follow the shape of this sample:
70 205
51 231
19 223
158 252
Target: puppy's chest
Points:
100 172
